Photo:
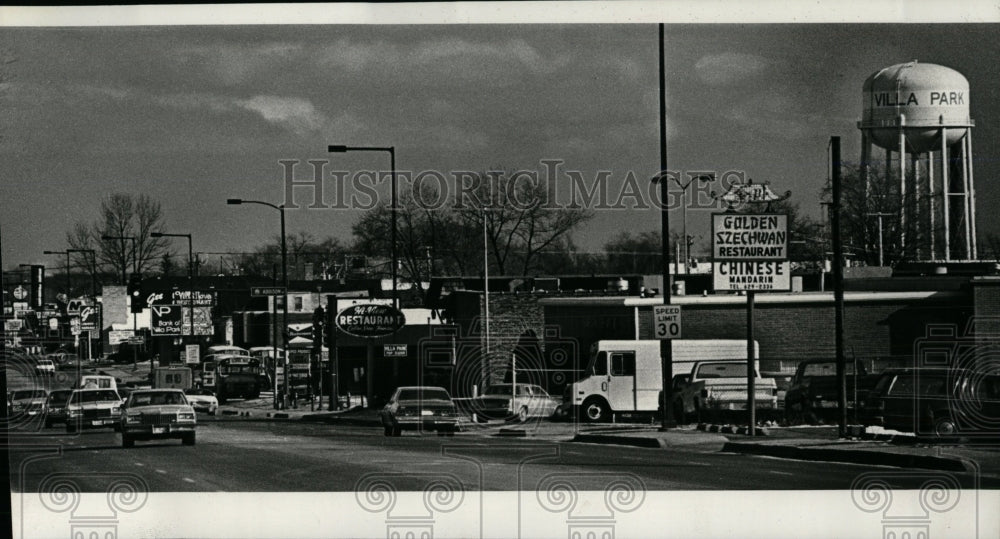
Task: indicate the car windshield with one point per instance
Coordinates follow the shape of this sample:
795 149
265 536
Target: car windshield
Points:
422 394
59 396
499 389
95 396
28 394
721 370
156 398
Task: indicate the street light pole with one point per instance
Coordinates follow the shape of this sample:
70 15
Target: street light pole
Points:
335 148
93 292
684 209
284 278
190 275
69 287
135 271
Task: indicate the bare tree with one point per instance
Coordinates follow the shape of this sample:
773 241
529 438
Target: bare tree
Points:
123 216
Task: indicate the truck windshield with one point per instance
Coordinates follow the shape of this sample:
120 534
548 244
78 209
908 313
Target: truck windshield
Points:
826 369
721 370
599 364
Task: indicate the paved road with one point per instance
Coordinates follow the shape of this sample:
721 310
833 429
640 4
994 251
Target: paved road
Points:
249 456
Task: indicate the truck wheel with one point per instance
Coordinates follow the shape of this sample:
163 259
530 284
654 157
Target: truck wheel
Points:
188 438
387 430
595 410
522 414
127 440
944 426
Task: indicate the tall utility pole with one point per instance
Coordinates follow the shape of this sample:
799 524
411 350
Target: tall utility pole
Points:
284 278
340 148
838 285
666 347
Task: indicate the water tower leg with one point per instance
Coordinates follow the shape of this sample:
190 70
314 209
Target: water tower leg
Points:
972 192
965 197
945 194
930 201
915 214
866 155
902 186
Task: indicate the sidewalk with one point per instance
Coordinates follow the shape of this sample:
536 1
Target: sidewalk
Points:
819 444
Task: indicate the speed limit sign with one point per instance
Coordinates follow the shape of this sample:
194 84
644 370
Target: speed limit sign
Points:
667 321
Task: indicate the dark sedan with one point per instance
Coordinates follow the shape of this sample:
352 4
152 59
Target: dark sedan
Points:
55 406
416 407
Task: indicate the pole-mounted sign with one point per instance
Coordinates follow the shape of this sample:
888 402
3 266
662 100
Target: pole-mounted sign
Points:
370 320
750 252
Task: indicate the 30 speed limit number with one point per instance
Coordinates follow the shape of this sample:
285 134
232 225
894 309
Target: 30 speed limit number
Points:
667 321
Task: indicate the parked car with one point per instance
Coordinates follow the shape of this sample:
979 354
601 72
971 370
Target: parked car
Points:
202 400
89 408
812 395
55 406
935 402
151 414
29 402
414 407
46 367
500 401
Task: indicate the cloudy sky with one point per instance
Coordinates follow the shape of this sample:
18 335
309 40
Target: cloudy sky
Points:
195 115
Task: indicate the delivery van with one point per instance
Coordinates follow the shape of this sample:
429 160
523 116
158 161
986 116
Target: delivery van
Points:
625 376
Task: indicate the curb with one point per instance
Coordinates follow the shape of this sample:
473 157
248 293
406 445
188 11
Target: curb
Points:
636 441
851 456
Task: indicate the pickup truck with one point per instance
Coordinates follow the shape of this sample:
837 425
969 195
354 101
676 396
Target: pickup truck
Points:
714 389
812 394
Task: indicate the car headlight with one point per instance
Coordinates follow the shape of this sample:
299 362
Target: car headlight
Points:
185 416
72 412
133 418
116 410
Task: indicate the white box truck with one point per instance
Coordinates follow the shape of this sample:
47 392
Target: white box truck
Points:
625 376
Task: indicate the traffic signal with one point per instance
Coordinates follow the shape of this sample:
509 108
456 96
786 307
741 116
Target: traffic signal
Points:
134 290
318 336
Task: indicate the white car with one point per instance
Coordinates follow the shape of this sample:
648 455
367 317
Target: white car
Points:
90 408
45 366
202 400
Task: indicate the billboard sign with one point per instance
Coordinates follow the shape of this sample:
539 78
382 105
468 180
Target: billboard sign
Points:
370 320
166 320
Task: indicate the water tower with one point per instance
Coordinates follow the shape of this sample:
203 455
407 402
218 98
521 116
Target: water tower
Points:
923 110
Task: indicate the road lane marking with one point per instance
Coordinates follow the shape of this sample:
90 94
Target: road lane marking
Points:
161 471
139 464
189 480
780 473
